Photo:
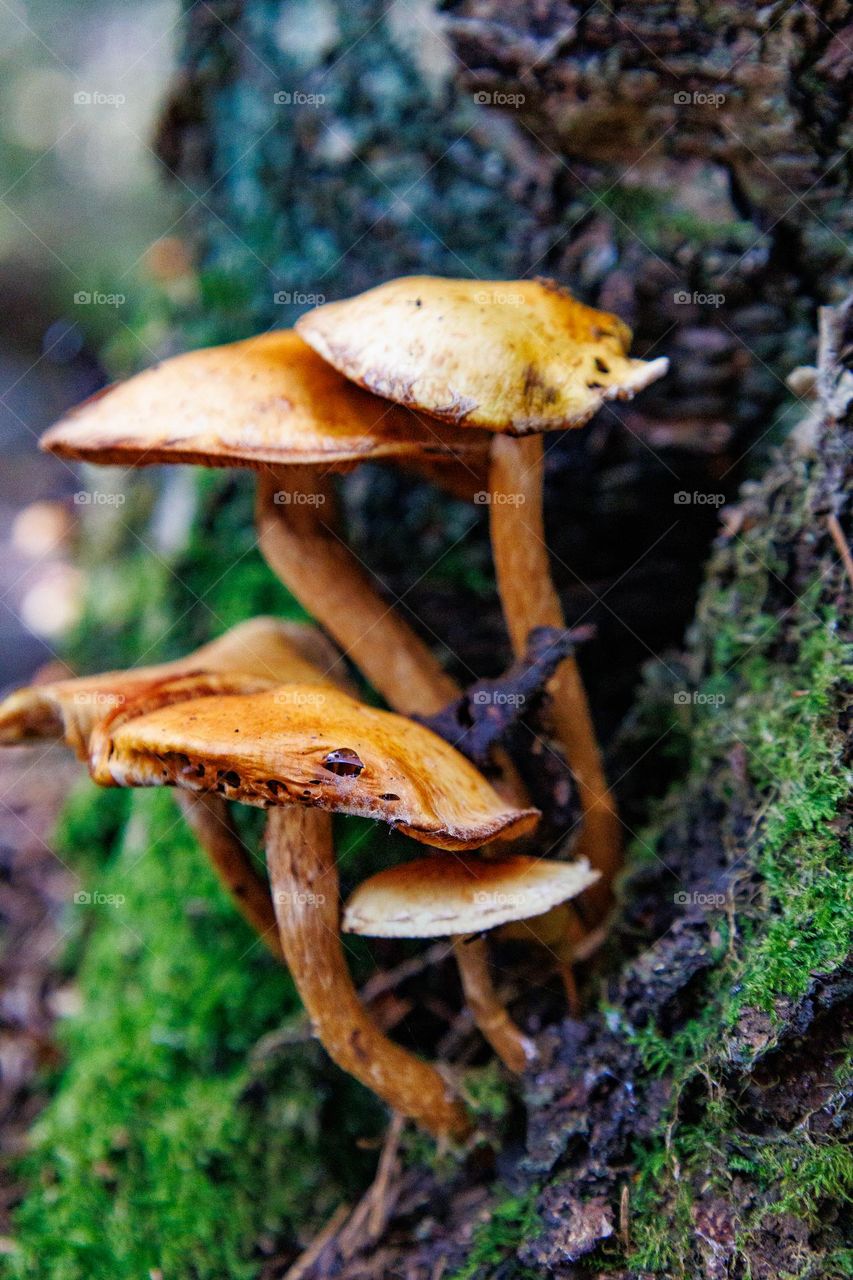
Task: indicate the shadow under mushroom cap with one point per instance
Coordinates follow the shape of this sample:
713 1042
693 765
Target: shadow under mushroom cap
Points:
266 400
509 355
311 745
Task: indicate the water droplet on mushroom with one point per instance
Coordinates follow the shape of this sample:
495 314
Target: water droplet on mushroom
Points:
344 762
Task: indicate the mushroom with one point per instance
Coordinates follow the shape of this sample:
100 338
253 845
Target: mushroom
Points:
301 743
440 896
515 358
305 751
271 403
267 649
251 656
456 896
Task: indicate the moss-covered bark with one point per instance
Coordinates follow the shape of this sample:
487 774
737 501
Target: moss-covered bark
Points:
699 1123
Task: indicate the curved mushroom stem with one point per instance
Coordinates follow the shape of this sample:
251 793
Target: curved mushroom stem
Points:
516 1050
298 541
530 600
209 818
304 879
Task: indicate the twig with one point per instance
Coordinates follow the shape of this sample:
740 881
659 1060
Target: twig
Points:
306 1260
368 1218
382 982
624 1218
837 533
378 1209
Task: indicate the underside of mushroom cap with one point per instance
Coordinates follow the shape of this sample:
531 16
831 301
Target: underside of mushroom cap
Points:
443 895
512 356
266 400
311 745
265 651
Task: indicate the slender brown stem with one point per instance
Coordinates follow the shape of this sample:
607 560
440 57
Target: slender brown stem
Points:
297 538
512 1047
530 600
304 878
209 819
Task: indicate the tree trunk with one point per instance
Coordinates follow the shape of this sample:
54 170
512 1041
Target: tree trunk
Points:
684 167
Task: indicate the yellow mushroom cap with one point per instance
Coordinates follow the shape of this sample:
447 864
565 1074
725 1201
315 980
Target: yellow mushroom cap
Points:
442 895
269 399
508 355
257 653
310 745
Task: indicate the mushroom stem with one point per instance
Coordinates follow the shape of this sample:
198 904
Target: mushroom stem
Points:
298 539
299 542
304 879
516 1050
209 818
530 600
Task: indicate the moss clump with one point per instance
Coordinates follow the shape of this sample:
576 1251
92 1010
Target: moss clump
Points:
168 1147
496 1239
769 755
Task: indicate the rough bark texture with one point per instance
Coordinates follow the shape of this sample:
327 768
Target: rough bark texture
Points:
652 208
694 1126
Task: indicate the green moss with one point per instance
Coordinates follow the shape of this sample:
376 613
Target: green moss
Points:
783 718
496 1239
168 1145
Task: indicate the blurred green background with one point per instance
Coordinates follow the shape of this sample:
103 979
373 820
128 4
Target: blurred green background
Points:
85 241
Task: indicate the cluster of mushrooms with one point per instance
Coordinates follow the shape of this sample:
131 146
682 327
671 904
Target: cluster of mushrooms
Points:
457 380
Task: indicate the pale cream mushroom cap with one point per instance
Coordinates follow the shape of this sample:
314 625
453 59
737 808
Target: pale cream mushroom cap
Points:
443 895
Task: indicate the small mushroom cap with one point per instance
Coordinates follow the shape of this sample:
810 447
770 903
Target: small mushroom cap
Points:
311 745
262 652
268 399
514 355
438 896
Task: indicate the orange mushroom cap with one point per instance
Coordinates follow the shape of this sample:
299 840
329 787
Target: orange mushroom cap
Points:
310 744
512 356
268 399
254 654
